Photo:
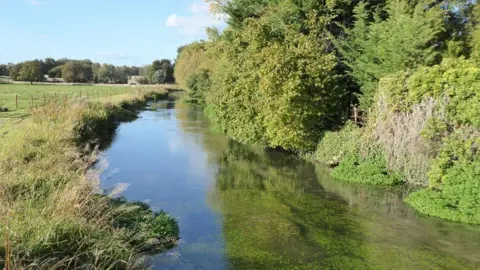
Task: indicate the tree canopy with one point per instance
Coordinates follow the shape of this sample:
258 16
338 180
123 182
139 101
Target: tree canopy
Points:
31 71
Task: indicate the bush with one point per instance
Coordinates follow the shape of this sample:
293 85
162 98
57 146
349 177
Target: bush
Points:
452 127
274 95
198 84
454 191
335 145
358 156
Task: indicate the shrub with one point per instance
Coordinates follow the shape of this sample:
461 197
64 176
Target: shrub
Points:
273 94
453 130
454 191
359 157
198 84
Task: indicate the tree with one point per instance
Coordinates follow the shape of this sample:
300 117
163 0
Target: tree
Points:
31 71
48 64
407 38
166 66
55 72
15 71
191 58
159 77
77 71
3 70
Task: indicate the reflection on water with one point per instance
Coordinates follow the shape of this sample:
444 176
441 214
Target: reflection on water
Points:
241 207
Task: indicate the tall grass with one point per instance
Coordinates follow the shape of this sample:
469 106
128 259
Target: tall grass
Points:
52 213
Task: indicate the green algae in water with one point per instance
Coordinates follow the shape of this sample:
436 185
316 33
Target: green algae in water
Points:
279 215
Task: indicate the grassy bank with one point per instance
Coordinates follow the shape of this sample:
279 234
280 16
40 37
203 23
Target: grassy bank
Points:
42 94
52 211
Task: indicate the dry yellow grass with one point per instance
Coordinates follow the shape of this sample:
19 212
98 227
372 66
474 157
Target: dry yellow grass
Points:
52 214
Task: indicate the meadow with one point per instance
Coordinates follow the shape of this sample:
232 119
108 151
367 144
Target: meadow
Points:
41 94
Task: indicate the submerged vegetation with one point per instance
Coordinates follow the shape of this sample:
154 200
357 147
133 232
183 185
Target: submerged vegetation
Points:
280 212
53 213
285 73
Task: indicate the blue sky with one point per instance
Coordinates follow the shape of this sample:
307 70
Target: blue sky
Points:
119 32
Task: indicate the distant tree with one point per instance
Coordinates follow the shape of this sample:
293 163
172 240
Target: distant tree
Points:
62 61
77 71
166 67
144 71
55 72
14 71
156 65
159 77
48 64
3 70
31 71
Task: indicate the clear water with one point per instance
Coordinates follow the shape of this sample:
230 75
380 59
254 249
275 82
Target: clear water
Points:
241 207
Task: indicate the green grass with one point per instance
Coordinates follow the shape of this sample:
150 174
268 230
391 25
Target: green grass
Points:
43 93
52 216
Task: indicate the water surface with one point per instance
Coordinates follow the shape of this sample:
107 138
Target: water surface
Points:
242 207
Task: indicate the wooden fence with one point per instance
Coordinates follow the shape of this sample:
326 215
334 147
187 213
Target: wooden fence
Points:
358 116
28 100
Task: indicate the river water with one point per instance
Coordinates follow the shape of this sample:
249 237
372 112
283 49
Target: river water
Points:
241 207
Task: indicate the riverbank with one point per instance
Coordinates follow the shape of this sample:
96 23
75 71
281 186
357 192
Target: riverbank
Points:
242 206
52 211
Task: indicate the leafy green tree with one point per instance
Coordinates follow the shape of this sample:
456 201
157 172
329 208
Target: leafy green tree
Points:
3 70
48 64
407 38
159 77
77 71
14 72
198 84
55 72
190 59
31 71
166 67
274 94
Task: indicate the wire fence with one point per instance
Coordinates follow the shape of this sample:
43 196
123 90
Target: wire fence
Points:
21 101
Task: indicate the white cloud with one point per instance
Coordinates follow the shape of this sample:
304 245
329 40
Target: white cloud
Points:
196 22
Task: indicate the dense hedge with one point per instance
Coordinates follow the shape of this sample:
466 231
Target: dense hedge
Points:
284 73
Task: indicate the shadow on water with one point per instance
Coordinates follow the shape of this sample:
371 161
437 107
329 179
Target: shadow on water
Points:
243 207
276 216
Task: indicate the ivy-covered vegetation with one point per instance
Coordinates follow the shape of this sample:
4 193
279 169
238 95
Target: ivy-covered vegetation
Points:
284 74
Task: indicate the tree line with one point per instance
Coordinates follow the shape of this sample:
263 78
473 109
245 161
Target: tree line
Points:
86 71
285 74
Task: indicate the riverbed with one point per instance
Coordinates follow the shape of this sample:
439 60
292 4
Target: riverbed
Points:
243 207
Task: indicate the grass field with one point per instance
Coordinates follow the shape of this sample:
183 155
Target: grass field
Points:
41 94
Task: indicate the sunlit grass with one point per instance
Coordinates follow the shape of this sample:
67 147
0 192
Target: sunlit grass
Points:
52 213
45 93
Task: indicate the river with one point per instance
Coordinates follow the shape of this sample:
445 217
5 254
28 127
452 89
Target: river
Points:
242 207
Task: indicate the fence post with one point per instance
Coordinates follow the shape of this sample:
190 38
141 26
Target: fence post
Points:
44 99
16 100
